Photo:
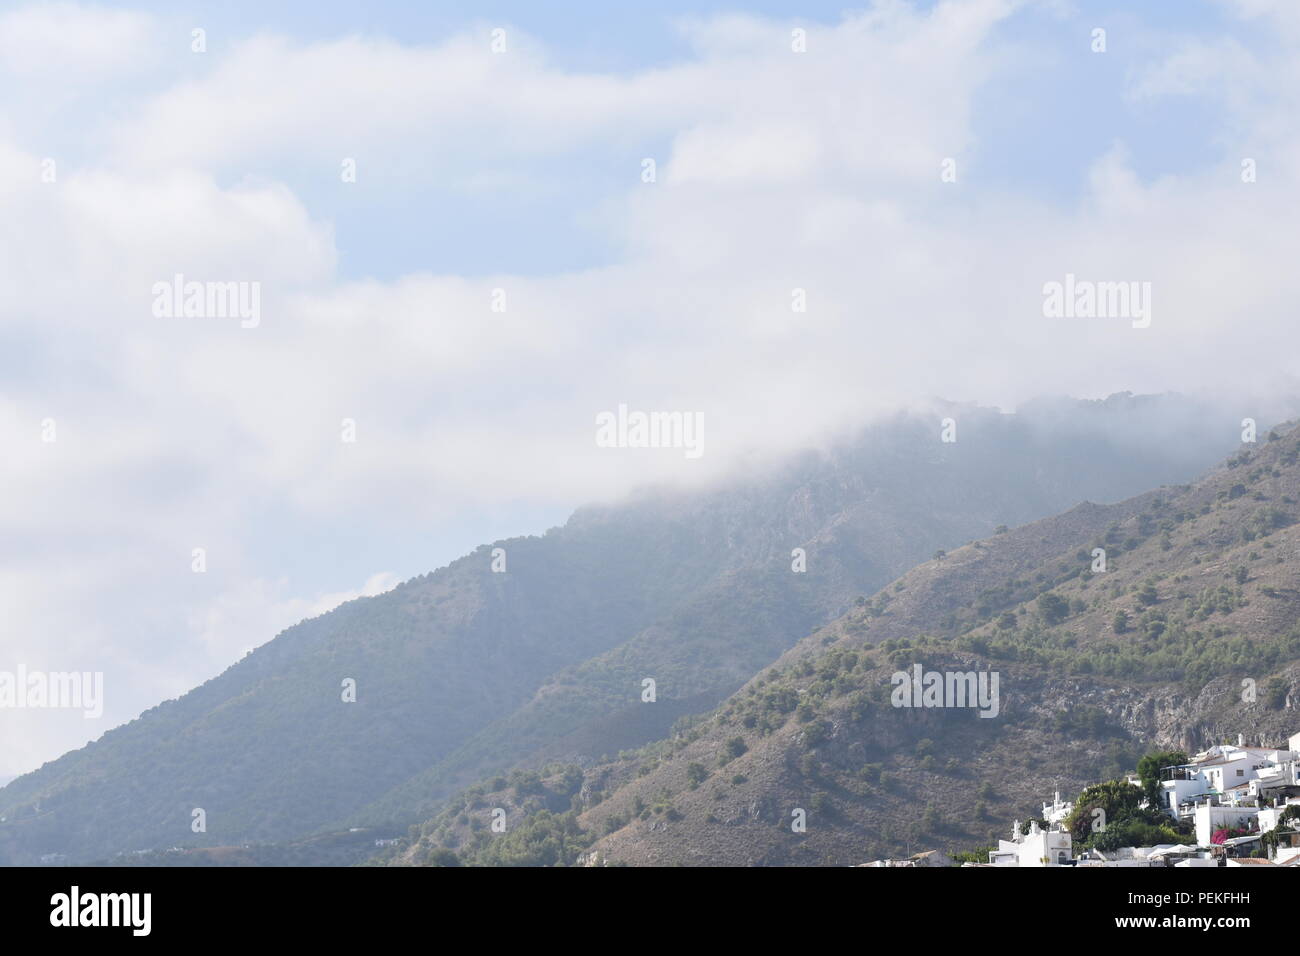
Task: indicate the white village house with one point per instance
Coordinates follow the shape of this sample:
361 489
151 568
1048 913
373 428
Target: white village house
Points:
1224 788
1050 847
1225 775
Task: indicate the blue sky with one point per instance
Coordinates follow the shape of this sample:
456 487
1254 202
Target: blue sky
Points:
521 172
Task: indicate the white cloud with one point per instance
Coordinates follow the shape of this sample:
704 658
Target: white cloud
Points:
257 610
60 42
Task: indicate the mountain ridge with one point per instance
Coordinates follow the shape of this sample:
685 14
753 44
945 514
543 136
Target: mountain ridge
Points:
1205 575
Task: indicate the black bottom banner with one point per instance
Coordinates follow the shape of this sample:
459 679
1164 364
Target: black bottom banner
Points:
213 905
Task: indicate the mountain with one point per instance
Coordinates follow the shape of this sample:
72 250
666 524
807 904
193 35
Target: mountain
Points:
1187 636
466 672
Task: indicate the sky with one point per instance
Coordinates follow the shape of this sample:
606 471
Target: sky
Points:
458 249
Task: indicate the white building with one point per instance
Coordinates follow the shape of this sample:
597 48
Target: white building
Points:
1236 775
1051 847
1284 773
1128 856
1056 811
1210 817
1270 815
926 858
1288 855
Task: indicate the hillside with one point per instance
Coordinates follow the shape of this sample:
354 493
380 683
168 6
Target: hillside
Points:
894 489
1199 593
465 672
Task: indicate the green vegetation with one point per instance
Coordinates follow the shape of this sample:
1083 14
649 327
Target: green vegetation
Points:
1108 815
540 825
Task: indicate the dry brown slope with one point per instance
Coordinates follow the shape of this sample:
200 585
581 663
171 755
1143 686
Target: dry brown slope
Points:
1208 575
